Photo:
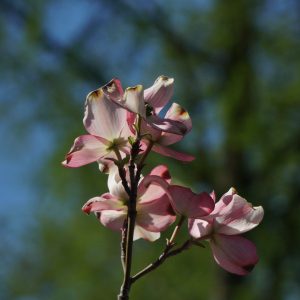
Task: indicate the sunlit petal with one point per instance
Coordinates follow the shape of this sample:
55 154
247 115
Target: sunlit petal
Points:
103 117
133 100
167 125
199 229
155 215
141 233
104 202
86 149
185 202
238 216
113 90
172 153
159 94
113 219
176 113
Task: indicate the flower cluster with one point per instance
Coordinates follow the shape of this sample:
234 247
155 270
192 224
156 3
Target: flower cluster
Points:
123 127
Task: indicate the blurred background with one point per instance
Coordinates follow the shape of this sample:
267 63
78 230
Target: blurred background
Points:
236 66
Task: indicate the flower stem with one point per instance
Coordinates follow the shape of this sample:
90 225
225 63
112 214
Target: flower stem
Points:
123 245
145 154
166 253
131 217
176 230
125 288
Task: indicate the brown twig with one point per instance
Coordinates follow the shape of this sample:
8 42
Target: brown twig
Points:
131 213
166 253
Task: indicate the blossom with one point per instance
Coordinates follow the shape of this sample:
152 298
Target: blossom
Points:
147 103
106 123
161 132
186 203
161 139
154 212
231 217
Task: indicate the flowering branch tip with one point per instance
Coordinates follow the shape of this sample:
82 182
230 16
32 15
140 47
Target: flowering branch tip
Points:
123 128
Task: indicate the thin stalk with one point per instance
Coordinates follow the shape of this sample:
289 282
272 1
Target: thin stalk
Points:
176 230
145 154
122 174
131 214
166 253
125 288
123 245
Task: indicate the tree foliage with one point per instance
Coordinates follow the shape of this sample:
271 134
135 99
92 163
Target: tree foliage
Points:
236 68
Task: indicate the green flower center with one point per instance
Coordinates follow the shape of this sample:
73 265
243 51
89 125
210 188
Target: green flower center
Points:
117 144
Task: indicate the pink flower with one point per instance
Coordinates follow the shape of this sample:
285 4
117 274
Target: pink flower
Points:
154 212
162 139
106 123
231 217
147 103
186 203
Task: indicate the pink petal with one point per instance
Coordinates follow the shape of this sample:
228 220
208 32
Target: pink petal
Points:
104 117
104 202
167 138
159 94
133 100
153 134
224 201
213 195
113 89
113 219
235 254
238 216
131 120
199 229
176 113
172 153
167 125
163 172
105 165
86 149
151 188
189 204
141 233
155 216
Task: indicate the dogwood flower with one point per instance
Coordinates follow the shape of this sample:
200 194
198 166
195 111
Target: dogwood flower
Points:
231 217
154 211
161 139
147 103
106 123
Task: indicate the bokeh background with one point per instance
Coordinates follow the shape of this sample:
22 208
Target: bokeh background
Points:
236 66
